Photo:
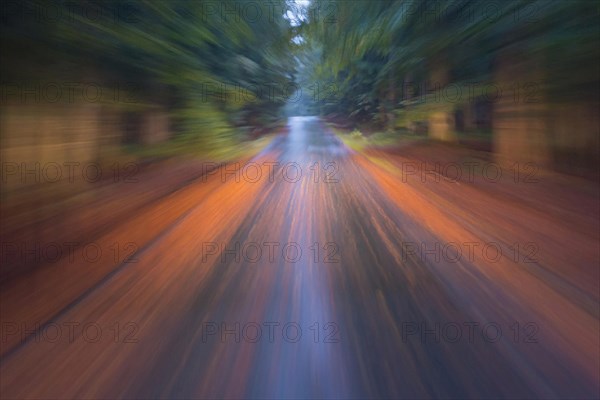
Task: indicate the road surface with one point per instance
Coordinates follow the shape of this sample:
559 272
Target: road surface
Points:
306 273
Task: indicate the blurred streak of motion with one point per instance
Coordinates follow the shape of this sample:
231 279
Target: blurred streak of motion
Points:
433 165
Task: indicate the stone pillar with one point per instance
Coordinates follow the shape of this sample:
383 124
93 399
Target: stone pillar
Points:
441 123
155 127
520 116
441 126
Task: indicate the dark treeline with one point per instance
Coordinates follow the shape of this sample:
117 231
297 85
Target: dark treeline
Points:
379 57
225 69
209 63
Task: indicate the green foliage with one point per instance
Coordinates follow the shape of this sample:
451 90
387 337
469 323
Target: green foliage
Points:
375 47
184 47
